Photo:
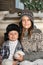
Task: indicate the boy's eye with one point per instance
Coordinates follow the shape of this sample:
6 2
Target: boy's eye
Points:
10 33
13 33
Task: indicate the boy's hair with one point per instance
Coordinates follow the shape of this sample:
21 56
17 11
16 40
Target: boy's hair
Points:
9 28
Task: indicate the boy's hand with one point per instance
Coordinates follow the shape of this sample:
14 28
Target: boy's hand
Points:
19 58
19 55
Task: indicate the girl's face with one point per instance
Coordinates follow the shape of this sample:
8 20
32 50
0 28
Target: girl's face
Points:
26 22
13 35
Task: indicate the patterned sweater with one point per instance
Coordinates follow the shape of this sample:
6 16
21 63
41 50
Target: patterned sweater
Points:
33 46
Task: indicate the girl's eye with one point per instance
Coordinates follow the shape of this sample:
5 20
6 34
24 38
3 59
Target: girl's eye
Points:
23 20
28 19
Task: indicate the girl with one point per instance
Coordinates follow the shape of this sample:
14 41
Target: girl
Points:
31 37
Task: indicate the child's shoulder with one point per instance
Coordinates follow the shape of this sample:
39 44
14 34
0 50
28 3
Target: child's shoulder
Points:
5 43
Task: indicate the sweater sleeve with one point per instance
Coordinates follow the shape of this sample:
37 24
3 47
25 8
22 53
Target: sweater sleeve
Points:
5 51
40 44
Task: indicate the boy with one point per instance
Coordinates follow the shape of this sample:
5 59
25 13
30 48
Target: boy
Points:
11 45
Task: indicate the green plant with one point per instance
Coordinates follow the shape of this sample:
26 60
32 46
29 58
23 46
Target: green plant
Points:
35 5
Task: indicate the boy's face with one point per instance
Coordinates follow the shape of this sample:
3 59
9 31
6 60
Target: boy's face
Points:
13 35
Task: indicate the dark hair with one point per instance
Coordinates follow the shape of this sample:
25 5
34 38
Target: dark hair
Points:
9 28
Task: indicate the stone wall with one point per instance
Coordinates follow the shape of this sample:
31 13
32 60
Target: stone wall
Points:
39 24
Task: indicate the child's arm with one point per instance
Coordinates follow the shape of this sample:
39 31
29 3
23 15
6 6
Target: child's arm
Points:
4 52
19 54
